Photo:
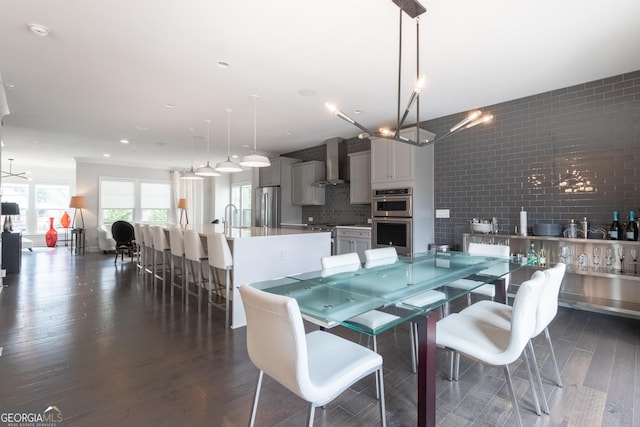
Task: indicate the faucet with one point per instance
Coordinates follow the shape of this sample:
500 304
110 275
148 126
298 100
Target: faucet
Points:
229 219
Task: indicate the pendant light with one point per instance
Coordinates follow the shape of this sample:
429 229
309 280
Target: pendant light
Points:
207 170
228 165
191 174
255 160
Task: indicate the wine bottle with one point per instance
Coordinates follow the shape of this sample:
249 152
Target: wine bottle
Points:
616 228
632 228
532 256
542 259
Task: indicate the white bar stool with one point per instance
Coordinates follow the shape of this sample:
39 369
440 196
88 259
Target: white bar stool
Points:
139 236
195 258
176 243
219 259
161 248
149 256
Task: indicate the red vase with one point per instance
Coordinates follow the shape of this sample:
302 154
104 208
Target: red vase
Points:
52 235
65 221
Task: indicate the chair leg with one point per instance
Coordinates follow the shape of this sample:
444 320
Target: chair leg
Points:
413 335
226 299
254 409
553 357
514 401
532 385
380 391
375 348
209 293
312 412
536 370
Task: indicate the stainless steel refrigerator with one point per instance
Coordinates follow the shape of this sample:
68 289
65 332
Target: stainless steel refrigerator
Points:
267 207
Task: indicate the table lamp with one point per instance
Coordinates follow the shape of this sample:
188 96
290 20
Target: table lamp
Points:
182 205
9 209
77 202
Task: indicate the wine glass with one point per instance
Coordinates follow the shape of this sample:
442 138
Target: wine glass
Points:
565 253
621 257
609 259
596 258
634 257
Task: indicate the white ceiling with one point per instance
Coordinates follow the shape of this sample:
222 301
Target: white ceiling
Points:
108 68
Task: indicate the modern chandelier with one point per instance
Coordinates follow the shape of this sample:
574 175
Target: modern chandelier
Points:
207 170
423 137
10 174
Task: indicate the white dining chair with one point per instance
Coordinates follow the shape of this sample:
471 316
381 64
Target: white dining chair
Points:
220 258
178 261
317 366
486 290
493 345
500 315
161 249
196 262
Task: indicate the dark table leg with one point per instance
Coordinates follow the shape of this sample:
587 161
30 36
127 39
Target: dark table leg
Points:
501 291
426 370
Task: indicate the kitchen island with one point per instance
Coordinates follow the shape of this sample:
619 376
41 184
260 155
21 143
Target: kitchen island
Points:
261 253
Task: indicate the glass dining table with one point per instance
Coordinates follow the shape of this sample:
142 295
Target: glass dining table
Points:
409 290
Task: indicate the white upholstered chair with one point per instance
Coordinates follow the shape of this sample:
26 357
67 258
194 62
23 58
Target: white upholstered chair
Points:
220 258
500 315
493 345
317 366
196 259
178 260
485 290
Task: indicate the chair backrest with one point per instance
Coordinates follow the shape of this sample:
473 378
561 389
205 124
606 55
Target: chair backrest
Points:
218 251
486 249
335 264
122 232
160 242
176 241
523 314
380 256
139 234
548 307
276 340
193 249
148 235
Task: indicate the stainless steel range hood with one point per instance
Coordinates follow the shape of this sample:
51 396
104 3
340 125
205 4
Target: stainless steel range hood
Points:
337 163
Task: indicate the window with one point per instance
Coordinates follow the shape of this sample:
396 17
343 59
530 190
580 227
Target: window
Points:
51 202
241 197
155 202
17 193
117 200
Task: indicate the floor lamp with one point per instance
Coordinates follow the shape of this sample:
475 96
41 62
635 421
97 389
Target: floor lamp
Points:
182 205
77 202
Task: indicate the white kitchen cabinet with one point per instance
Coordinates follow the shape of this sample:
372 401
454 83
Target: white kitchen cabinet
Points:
279 171
360 177
391 162
353 239
303 175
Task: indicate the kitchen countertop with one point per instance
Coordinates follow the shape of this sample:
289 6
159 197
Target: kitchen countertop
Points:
358 226
245 232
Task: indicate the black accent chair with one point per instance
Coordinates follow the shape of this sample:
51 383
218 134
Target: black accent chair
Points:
124 235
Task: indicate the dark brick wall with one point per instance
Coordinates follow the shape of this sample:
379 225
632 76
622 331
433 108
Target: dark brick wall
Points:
336 209
543 153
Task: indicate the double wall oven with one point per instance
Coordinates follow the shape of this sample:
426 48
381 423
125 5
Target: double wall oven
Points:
392 219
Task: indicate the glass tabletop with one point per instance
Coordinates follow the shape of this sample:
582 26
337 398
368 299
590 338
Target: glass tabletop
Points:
407 288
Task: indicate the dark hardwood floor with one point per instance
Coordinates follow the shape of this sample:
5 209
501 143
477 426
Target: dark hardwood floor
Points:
88 336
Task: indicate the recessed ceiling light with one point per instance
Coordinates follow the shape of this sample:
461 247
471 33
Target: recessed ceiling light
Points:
106 155
307 92
124 141
141 128
245 146
9 85
169 106
357 111
39 30
288 132
234 156
223 64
